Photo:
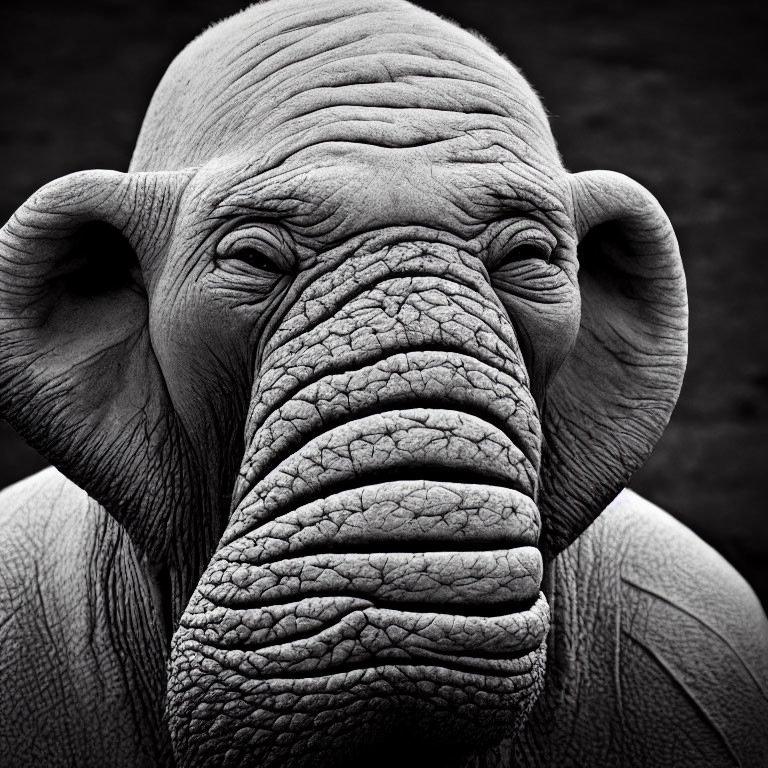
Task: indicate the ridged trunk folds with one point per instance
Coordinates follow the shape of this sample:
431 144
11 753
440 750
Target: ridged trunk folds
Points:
379 580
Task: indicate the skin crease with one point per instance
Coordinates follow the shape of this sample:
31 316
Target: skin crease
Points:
350 408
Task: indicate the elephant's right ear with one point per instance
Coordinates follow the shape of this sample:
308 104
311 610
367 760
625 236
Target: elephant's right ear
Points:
78 375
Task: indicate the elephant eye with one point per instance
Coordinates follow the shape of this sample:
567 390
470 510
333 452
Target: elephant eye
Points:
256 259
258 248
527 251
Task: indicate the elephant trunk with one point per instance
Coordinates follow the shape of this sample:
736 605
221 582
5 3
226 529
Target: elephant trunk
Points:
380 571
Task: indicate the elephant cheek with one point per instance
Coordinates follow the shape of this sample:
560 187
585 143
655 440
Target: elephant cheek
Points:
378 584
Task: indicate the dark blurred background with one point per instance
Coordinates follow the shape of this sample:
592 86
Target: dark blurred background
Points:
672 93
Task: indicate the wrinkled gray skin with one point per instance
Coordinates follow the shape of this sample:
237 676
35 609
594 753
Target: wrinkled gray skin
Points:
336 378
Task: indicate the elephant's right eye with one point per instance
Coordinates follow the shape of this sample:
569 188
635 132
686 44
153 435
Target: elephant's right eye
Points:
261 249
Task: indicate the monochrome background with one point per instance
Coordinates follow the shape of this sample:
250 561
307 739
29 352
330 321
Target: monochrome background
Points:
673 93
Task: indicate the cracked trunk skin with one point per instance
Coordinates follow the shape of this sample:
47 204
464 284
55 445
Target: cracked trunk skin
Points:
377 590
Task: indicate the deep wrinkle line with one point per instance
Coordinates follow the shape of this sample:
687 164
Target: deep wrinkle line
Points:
428 653
296 637
482 610
394 408
413 108
344 669
397 474
419 548
469 70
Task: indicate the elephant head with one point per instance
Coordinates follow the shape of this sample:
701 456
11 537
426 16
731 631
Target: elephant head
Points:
351 357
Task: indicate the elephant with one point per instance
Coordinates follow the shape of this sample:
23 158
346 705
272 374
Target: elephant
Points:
342 384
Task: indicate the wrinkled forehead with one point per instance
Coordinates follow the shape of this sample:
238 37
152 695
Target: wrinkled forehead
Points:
289 79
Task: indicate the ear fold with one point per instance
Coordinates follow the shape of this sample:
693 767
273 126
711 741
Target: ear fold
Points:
613 396
78 376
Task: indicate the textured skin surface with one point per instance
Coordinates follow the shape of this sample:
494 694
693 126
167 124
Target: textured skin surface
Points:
80 631
651 627
350 359
384 618
658 655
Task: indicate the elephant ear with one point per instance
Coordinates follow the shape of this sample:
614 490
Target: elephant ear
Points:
78 376
613 396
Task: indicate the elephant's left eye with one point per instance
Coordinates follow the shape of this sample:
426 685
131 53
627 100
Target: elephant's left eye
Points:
257 259
520 242
525 251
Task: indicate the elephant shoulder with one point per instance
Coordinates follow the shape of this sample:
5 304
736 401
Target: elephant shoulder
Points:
46 525
693 633
72 614
659 652
45 612
37 508
668 580
43 521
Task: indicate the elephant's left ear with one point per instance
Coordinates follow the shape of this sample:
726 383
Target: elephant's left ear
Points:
78 375
613 396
